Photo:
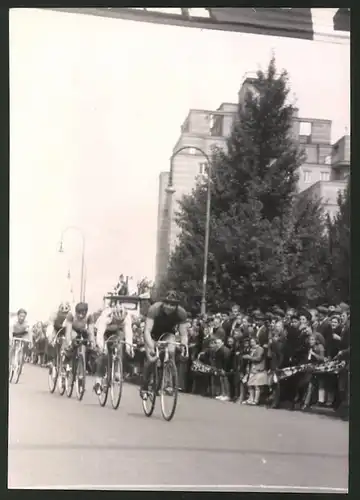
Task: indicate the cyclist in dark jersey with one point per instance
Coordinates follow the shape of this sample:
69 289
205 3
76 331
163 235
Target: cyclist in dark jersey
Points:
161 320
79 325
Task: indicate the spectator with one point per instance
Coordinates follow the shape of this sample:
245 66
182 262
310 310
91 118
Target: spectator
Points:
222 359
316 354
257 376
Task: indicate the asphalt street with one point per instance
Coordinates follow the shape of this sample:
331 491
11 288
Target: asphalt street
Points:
56 442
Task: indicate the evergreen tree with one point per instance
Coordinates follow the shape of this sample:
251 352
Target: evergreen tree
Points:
265 244
339 251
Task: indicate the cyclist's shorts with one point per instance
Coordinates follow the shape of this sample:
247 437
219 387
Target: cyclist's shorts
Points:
58 329
162 335
19 335
108 334
81 334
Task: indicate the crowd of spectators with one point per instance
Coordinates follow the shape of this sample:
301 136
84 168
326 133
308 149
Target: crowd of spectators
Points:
246 351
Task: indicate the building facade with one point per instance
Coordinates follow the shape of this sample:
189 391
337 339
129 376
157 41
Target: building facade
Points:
324 163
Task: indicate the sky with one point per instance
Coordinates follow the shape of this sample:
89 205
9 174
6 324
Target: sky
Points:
96 107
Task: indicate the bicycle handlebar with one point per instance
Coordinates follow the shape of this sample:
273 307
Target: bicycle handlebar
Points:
17 339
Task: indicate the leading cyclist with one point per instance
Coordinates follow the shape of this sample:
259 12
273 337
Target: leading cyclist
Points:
161 320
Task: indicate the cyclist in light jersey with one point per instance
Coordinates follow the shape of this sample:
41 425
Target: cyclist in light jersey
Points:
18 329
114 320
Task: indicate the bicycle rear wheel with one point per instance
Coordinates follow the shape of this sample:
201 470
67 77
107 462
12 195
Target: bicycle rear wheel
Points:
149 403
169 390
116 383
80 377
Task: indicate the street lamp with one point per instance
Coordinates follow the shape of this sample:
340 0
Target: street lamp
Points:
61 250
170 191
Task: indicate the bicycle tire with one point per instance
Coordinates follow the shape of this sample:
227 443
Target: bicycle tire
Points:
169 366
103 396
61 377
115 401
69 381
11 369
80 367
52 380
152 389
17 370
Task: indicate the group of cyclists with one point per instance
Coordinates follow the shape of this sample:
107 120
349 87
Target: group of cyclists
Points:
162 319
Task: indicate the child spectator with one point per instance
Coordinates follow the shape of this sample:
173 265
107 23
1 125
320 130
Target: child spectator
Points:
257 376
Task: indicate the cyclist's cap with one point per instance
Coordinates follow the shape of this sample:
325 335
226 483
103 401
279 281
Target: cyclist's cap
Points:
81 307
21 311
171 298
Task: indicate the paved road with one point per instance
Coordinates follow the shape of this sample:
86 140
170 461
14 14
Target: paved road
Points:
56 442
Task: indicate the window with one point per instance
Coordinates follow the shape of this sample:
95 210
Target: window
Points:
324 176
305 132
202 168
307 176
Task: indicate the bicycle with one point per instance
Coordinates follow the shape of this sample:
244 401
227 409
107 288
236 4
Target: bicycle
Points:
77 373
114 374
57 367
162 371
16 361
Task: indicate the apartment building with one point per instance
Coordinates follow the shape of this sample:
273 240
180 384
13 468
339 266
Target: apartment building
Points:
203 129
328 189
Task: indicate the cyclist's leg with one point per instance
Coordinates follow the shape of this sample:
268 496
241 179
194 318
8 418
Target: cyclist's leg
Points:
148 366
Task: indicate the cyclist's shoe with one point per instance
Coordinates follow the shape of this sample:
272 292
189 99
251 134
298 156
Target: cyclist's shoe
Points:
97 388
144 394
169 391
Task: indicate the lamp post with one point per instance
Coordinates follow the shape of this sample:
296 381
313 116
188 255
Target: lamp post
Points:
61 249
170 191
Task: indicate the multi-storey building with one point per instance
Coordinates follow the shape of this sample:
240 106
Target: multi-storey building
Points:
322 172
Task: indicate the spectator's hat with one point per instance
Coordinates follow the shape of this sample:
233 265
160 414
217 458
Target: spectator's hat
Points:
279 312
269 316
336 312
344 307
322 310
332 308
258 315
306 313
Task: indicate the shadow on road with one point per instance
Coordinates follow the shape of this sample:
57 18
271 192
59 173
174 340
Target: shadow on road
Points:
151 448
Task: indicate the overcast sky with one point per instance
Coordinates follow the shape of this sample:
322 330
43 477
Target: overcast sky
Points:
96 108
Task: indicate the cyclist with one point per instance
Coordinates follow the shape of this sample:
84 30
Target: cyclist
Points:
114 320
56 324
79 325
161 321
18 329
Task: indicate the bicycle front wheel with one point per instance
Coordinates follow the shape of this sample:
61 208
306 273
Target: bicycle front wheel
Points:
53 376
80 377
69 381
116 382
18 366
104 389
149 403
61 376
169 390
